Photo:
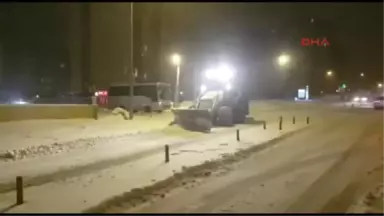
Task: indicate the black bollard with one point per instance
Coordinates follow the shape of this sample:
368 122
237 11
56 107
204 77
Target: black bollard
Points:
265 125
237 134
95 112
281 123
166 153
19 190
294 120
308 120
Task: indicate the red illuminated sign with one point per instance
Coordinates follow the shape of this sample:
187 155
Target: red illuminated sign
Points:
315 42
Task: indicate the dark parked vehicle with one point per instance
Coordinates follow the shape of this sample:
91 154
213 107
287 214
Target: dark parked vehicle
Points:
378 102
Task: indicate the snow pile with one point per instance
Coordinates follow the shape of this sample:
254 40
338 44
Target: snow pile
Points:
120 111
57 148
371 203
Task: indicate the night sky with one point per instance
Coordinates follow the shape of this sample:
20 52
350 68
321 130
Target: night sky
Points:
248 35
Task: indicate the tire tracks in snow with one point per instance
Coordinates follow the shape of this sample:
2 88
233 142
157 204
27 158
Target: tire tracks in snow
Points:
351 164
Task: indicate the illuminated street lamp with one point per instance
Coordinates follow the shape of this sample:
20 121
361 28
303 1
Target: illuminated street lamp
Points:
362 74
283 60
329 73
176 60
379 85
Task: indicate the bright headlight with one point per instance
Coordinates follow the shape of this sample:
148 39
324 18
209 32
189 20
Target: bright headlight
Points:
226 73
228 86
223 73
211 74
20 101
203 88
356 99
364 99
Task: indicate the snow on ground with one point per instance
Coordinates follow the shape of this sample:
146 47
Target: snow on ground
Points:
38 137
104 152
24 139
302 174
107 153
89 190
372 202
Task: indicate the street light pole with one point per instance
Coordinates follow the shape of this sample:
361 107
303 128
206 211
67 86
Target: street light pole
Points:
177 84
132 76
284 63
176 60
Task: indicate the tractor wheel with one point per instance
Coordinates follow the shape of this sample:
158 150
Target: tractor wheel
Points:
225 116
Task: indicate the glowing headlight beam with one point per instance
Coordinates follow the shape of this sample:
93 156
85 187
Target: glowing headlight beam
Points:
223 73
226 73
203 88
20 101
228 87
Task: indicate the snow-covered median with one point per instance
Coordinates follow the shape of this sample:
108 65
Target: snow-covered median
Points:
89 190
26 139
57 148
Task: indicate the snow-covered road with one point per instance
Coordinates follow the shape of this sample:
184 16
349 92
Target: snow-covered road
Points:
84 191
124 155
100 152
324 169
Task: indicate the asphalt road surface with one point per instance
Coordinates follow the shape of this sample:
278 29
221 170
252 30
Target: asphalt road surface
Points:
323 169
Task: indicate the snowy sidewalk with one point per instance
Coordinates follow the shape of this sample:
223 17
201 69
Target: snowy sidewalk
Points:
103 153
23 134
80 193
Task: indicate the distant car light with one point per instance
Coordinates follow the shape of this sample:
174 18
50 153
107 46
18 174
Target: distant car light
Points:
364 99
356 99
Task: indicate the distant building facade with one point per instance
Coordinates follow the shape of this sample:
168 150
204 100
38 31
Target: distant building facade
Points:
99 43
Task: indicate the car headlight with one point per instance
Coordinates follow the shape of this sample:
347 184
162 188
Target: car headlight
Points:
364 99
20 101
356 99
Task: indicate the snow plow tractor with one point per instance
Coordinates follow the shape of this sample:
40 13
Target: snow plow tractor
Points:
218 104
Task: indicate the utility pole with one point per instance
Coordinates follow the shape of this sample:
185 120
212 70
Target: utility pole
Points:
1 63
132 67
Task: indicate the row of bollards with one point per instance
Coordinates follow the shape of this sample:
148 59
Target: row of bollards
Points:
166 147
293 121
265 125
